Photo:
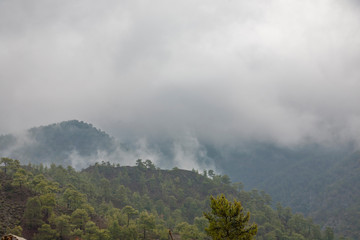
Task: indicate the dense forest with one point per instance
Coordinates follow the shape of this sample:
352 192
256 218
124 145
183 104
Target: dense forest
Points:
107 201
321 182
55 143
318 181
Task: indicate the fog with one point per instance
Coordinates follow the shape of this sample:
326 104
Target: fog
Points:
218 71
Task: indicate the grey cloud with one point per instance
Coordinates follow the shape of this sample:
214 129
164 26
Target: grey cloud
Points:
284 71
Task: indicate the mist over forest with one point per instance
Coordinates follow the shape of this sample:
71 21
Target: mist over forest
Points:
218 72
264 92
310 178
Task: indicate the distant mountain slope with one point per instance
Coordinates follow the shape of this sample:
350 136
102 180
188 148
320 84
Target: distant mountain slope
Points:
107 201
12 202
57 143
321 182
338 203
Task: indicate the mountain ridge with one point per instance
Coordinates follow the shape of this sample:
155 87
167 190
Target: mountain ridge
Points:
107 201
56 143
296 177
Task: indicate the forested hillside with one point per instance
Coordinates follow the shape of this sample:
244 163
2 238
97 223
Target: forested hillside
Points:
310 178
106 201
321 182
338 204
61 143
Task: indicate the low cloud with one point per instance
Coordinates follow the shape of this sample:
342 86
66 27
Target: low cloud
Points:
281 71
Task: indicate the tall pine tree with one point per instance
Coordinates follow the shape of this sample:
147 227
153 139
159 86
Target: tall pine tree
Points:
227 220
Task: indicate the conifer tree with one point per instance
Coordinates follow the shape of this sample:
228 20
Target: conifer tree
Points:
147 222
129 211
32 214
6 162
227 220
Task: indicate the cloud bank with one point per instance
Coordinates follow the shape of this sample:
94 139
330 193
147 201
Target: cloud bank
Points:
222 71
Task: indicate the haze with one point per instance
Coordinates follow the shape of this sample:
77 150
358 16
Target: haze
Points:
273 70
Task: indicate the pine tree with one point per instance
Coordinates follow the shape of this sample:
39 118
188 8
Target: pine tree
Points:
227 220
129 211
32 214
147 222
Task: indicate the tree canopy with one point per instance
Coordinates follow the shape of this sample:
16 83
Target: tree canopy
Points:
107 202
227 220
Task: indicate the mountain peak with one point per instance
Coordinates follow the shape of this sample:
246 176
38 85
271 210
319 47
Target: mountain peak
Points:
56 143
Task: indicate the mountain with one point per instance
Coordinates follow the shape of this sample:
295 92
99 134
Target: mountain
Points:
67 143
107 202
338 203
319 181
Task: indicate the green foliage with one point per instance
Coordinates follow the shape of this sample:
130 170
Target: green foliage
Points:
104 202
149 164
115 230
63 226
130 212
315 180
17 230
79 218
32 215
147 222
188 231
329 234
201 223
76 233
20 178
227 220
73 198
311 179
140 164
45 233
48 203
6 162
57 142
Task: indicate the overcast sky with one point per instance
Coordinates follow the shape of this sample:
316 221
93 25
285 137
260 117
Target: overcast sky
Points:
280 70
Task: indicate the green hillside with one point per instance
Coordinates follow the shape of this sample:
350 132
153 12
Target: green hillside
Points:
320 182
106 201
57 143
338 204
